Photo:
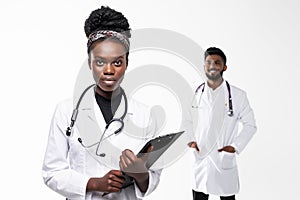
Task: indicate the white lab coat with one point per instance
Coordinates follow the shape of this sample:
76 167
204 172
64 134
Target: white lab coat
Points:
216 172
68 165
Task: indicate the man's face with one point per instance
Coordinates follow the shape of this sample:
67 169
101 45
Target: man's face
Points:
108 63
214 67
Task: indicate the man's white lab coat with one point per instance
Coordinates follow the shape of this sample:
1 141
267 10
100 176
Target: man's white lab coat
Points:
216 172
68 165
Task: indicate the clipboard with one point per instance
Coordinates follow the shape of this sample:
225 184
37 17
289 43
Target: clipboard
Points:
160 145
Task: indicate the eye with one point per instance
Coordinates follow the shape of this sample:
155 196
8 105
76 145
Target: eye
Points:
218 62
118 63
99 62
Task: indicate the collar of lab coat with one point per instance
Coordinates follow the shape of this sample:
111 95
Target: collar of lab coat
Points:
204 97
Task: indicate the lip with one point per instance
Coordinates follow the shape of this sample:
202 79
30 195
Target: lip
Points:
108 81
212 70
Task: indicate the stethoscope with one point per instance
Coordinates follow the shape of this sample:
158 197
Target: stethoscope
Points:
230 107
119 120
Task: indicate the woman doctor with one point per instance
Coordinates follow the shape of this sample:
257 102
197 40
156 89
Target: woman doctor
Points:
77 171
220 108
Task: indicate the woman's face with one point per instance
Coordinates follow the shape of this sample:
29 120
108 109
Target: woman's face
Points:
107 61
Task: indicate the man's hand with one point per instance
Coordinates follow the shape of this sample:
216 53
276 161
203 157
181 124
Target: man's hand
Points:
228 149
110 182
193 145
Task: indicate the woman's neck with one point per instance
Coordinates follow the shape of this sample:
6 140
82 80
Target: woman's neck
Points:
107 94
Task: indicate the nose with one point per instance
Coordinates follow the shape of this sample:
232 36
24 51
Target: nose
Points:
109 69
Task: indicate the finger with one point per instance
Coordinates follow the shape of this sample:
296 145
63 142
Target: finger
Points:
122 163
190 144
116 182
129 156
144 156
194 145
150 148
113 177
113 189
116 172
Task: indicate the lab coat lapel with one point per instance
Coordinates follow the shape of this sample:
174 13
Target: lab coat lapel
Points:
226 120
86 122
91 127
211 120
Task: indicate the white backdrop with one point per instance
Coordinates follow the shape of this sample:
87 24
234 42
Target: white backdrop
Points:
43 45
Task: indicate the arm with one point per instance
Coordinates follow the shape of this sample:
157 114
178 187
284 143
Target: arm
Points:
56 171
246 117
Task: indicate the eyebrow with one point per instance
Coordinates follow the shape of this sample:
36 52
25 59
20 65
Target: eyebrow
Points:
214 60
113 58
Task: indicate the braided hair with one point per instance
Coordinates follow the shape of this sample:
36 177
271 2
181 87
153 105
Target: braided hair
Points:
108 19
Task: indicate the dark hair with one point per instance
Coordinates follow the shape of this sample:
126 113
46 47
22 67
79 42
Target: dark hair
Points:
215 51
105 18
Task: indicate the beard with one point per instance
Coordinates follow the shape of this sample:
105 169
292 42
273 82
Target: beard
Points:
214 77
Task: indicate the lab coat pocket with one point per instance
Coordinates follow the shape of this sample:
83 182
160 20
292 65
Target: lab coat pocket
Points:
228 160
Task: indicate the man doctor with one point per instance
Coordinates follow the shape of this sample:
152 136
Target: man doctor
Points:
78 166
218 138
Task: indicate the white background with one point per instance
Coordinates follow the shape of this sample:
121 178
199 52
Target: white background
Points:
43 45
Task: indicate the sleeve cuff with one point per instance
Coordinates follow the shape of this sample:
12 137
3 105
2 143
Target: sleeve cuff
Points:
138 192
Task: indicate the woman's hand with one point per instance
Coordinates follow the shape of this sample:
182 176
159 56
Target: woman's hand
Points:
135 167
110 182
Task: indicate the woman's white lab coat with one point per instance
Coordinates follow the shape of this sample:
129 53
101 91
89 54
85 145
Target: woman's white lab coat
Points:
216 172
68 165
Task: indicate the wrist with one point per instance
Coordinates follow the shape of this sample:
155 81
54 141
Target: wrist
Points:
140 177
91 185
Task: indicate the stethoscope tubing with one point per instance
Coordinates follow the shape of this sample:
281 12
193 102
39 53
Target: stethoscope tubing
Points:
120 120
230 106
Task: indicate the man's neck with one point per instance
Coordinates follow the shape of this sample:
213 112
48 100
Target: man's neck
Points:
214 84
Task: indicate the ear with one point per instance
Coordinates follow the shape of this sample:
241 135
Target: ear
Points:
225 67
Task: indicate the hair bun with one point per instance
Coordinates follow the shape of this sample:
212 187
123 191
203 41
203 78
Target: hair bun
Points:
106 18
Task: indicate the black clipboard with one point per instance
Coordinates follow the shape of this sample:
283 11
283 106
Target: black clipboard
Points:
159 146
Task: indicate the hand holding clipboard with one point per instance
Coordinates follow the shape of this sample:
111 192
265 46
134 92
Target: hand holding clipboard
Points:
147 156
133 167
153 149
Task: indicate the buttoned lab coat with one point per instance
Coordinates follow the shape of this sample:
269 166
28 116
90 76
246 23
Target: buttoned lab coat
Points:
216 172
68 165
